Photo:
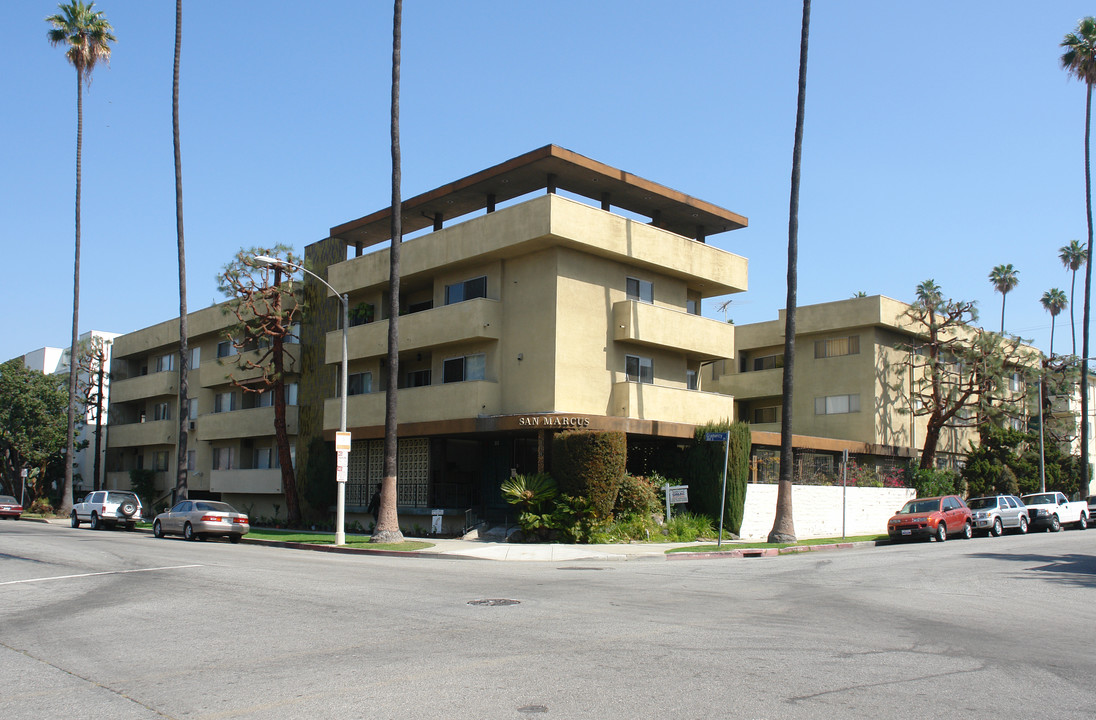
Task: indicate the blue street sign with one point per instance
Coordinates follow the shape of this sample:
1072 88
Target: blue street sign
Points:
715 437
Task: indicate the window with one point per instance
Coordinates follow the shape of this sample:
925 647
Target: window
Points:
290 393
767 414
768 362
161 411
639 369
834 347
1015 384
159 461
692 307
469 367
224 402
359 383
225 348
640 290
264 399
836 404
690 379
192 404
263 459
222 458
165 363
191 460
467 290
294 336
418 378
420 306
195 357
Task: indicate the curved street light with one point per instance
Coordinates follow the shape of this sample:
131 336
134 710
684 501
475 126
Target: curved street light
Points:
340 514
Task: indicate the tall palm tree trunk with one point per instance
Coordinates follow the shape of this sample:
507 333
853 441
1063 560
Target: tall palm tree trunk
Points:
70 438
1003 312
387 528
1088 300
783 528
1072 314
184 354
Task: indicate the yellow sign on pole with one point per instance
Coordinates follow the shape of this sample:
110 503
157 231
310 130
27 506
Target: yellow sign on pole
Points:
342 441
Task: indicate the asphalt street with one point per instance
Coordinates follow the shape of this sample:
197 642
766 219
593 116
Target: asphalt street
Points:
112 624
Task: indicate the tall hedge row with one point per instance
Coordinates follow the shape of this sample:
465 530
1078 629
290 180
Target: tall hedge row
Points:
705 473
590 464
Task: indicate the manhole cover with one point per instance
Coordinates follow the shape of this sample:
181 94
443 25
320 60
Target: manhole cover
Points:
494 601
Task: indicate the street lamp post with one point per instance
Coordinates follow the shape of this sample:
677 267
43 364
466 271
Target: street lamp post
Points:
340 512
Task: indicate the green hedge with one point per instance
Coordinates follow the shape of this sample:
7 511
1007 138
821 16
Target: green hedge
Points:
590 465
705 473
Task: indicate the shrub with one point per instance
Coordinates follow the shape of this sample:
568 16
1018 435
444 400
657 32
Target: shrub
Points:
143 484
929 483
576 519
590 465
705 474
637 496
687 527
41 506
533 495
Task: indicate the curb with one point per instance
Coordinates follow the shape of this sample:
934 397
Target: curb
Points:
771 552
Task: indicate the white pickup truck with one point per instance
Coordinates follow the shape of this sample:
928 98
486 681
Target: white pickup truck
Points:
1052 510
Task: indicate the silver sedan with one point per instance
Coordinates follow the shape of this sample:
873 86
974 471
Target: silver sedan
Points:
199 519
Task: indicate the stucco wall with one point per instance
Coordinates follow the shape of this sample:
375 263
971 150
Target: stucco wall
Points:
816 510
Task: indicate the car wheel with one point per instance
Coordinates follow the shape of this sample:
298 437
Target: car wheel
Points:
968 531
1083 522
1023 525
188 532
127 508
130 527
1055 524
998 528
234 539
74 520
157 530
96 524
942 531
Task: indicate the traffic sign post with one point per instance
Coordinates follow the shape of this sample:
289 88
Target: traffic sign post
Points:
724 438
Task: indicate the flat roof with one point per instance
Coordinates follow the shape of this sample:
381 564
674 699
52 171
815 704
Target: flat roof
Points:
668 208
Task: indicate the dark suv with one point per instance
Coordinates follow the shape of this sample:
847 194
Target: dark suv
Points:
105 508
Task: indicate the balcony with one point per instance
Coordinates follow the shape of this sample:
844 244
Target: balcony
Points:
754 384
145 386
267 482
157 432
479 319
646 324
221 371
256 422
669 404
432 403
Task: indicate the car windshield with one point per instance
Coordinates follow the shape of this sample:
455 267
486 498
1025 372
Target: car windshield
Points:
1044 499
982 503
920 506
8 499
117 497
214 506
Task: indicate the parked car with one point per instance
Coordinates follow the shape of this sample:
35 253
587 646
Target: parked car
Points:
199 519
993 514
10 507
1091 506
932 517
107 508
1051 510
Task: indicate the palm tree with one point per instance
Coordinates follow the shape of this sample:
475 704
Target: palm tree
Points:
1004 279
184 355
86 35
387 528
1054 301
1073 256
1079 61
783 529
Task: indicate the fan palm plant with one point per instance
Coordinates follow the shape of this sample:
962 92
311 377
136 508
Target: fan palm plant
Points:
1054 301
86 36
1073 256
1004 279
1079 61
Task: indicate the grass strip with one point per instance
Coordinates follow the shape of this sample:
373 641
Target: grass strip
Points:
728 546
358 541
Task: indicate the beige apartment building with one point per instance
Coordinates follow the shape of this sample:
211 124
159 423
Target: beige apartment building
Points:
853 373
231 451
567 294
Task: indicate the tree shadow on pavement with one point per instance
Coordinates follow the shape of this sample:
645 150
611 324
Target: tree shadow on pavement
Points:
1075 569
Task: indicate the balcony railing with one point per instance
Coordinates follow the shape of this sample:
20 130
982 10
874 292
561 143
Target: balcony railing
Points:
254 422
646 324
145 386
450 401
157 432
669 404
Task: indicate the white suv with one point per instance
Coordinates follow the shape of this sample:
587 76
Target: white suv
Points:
107 507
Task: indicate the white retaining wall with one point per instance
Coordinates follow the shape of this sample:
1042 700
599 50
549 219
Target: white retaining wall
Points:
816 510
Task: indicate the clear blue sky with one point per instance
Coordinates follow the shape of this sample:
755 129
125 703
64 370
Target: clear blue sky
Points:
941 138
